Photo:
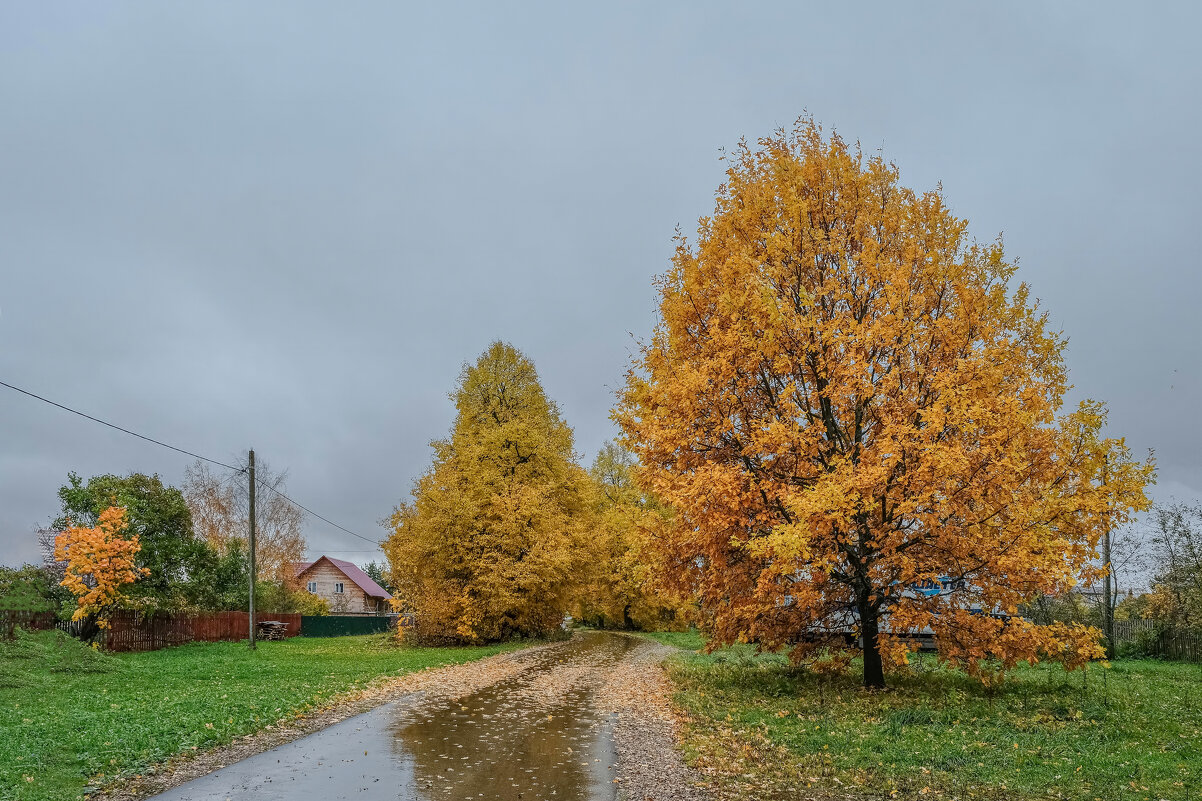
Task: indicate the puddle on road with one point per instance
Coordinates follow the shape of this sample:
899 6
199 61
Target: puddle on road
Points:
534 736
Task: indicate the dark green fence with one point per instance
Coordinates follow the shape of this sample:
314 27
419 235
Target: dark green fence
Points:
342 625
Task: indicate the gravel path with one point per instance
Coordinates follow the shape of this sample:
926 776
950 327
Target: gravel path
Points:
650 767
585 719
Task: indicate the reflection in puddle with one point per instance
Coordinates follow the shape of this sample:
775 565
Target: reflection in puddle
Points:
535 736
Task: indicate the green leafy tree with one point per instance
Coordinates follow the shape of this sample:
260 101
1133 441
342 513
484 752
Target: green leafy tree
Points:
29 589
378 573
220 580
220 583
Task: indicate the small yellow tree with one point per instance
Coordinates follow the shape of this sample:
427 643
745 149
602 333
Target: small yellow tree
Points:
100 562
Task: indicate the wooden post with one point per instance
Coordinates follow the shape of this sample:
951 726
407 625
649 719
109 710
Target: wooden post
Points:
1107 594
251 551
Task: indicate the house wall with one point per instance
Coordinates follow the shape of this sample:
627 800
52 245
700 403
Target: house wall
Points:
352 599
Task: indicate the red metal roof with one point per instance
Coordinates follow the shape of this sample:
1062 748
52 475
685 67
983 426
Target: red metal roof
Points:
352 572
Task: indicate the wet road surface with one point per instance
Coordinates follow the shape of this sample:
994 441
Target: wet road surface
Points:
535 735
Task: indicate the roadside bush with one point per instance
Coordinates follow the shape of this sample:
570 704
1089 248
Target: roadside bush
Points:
306 603
28 589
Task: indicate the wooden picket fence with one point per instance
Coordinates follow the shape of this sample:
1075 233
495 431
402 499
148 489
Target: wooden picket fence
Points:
1176 644
1182 646
136 631
1130 630
12 619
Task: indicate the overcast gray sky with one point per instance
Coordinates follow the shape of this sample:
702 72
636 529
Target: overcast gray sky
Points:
287 226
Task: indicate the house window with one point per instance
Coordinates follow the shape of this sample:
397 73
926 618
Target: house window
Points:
338 588
312 586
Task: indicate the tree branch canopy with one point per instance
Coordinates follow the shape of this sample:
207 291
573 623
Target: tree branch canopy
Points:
845 397
493 539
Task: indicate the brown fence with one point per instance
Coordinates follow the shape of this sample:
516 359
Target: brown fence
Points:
1130 630
135 631
11 619
1183 646
1166 643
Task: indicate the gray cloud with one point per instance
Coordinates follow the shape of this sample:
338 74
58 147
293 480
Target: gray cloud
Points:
288 225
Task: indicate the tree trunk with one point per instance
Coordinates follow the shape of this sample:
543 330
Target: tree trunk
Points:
89 629
874 671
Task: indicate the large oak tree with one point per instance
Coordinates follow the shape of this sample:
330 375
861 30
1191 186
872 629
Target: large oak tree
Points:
847 399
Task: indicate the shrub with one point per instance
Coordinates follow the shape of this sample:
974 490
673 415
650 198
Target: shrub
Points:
306 603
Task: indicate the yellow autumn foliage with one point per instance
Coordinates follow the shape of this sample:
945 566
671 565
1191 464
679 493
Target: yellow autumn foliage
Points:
622 580
491 544
846 398
100 562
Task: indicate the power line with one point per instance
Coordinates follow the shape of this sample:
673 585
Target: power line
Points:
236 470
315 514
119 428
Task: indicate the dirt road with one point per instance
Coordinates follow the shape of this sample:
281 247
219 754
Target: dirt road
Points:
585 719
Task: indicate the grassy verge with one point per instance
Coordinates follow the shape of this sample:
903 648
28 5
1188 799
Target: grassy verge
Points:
765 730
70 715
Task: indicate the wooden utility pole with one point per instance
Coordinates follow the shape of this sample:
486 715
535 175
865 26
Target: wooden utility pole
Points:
251 596
1107 594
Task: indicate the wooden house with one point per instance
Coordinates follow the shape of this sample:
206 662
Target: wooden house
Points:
347 588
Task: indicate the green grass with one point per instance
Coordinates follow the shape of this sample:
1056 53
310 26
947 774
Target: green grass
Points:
1131 731
70 715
